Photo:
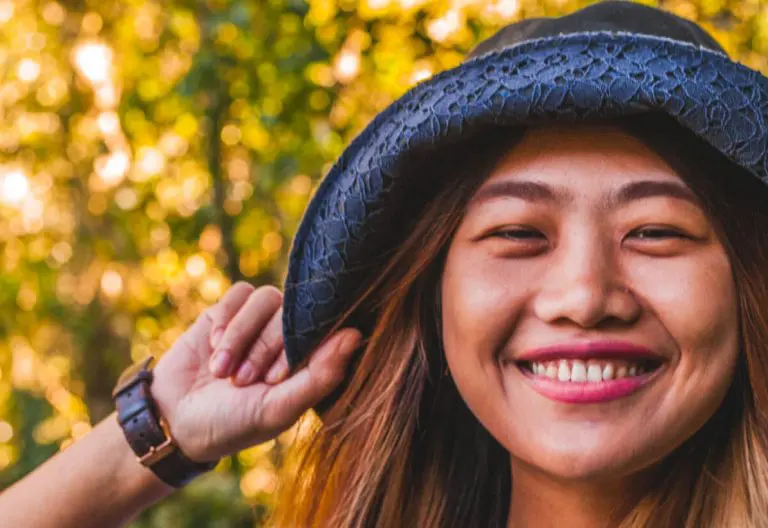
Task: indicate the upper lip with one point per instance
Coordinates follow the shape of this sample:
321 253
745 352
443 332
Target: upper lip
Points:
589 349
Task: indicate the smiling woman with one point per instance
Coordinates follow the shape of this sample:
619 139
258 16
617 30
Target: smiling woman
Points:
619 294
532 293
583 326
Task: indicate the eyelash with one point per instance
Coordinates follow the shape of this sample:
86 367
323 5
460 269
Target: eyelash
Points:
673 232
501 234
514 234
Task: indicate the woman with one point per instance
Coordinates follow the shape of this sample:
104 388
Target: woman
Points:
514 303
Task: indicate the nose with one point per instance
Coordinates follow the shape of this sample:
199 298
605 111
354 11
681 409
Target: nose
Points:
583 285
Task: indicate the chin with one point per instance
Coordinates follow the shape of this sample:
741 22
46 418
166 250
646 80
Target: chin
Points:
589 458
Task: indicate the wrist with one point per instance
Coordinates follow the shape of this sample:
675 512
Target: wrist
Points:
147 432
139 482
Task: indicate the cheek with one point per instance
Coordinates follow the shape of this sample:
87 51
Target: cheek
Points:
696 303
697 307
481 304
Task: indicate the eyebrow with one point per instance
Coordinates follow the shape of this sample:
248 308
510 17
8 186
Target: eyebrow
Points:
533 191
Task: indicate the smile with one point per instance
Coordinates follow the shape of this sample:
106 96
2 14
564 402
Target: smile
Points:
589 372
592 371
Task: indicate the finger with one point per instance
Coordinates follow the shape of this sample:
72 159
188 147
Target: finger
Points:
223 312
198 332
244 328
284 403
279 370
262 353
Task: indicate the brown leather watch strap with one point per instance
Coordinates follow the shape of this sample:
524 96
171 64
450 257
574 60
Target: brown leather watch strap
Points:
147 433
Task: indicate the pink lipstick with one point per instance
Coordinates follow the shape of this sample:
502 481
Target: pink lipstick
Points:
589 372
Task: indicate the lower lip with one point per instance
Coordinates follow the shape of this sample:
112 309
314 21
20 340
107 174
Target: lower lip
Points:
590 392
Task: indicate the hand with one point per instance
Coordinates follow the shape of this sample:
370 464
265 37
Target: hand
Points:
211 416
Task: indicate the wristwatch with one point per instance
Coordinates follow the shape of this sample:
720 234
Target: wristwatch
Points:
147 432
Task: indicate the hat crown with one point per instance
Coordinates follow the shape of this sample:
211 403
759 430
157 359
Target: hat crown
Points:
608 16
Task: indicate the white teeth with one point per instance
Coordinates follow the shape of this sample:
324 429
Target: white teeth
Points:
594 372
551 371
578 371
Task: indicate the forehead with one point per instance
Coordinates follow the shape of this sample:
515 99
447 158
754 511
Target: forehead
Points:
581 156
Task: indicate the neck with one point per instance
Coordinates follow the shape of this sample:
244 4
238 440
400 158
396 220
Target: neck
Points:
540 500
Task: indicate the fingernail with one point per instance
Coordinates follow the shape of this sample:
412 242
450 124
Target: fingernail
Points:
244 373
216 337
276 374
220 363
350 341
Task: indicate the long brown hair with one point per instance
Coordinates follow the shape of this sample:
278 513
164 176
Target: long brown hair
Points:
399 447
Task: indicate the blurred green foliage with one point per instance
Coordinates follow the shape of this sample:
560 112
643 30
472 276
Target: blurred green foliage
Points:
152 152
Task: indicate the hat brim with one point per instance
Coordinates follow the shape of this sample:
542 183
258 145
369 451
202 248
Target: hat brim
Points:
573 77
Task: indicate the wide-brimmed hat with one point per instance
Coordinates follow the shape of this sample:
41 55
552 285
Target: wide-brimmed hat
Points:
609 60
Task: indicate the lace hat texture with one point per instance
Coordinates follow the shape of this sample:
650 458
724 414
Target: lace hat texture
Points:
609 60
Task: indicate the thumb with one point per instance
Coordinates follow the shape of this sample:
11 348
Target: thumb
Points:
285 402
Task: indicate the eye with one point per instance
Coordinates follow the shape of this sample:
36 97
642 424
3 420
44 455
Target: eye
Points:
518 242
659 241
657 233
520 234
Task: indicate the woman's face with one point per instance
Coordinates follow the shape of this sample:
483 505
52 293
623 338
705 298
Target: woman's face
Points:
589 309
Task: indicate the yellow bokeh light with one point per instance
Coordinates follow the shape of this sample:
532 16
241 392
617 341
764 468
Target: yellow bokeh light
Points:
97 204
14 186
272 242
506 9
52 92
28 70
61 252
54 14
420 74
113 167
250 263
6 11
6 432
196 266
109 123
6 456
53 428
346 66
378 4
94 61
26 298
230 135
150 160
106 96
442 28
210 239
410 4
173 145
301 184
111 283
91 23
211 289
126 199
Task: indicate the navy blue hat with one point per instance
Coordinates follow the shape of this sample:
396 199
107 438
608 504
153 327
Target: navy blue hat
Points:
609 60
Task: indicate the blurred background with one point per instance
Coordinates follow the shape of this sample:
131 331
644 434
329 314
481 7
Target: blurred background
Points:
153 152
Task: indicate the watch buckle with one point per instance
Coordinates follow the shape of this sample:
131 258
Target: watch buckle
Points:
159 452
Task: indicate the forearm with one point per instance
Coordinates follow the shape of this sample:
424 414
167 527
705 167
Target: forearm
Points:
97 481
